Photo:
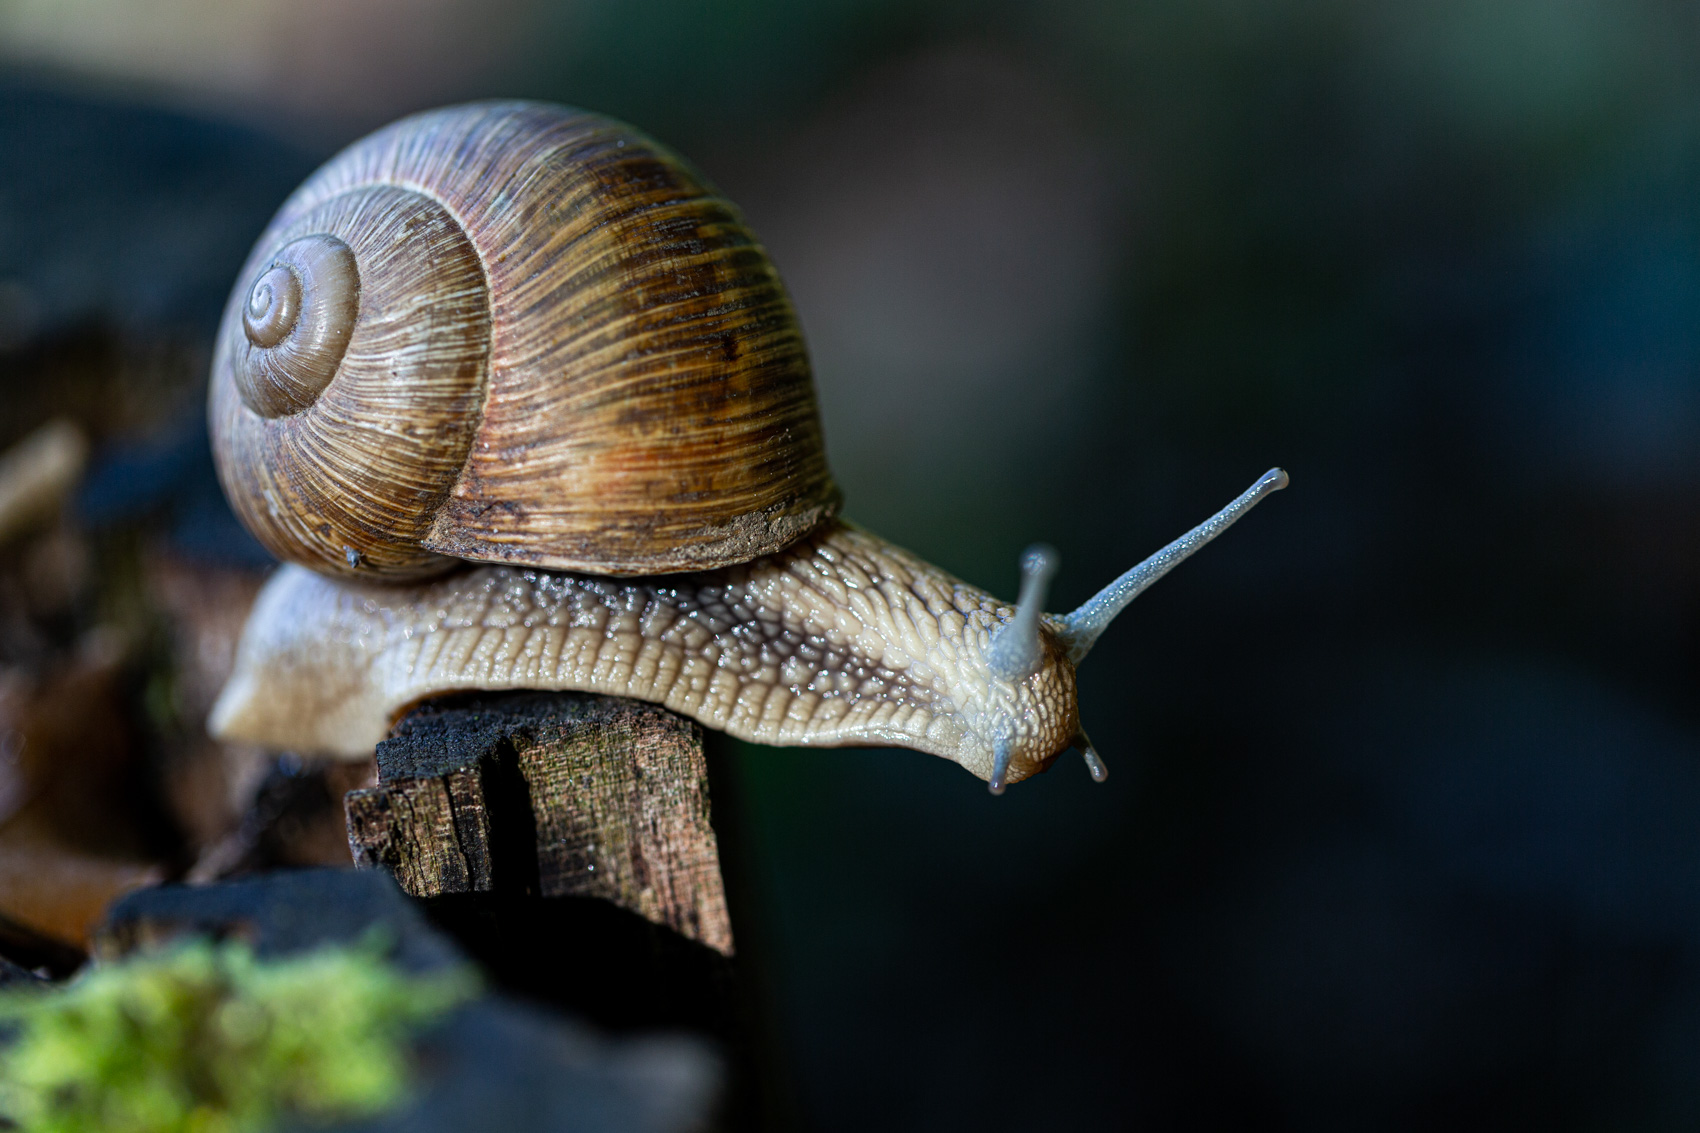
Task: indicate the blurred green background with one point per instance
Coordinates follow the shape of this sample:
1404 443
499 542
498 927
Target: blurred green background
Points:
1400 829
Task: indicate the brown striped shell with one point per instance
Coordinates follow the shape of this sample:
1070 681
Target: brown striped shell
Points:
515 333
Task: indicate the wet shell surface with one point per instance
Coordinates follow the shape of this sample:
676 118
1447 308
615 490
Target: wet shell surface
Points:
515 333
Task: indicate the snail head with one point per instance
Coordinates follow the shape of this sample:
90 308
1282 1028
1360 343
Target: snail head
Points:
1033 654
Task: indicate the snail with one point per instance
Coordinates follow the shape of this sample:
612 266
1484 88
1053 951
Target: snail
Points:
521 403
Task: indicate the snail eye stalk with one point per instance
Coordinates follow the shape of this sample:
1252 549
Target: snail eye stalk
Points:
1015 652
1082 628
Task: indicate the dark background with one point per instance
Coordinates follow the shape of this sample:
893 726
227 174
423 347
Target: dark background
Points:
1400 829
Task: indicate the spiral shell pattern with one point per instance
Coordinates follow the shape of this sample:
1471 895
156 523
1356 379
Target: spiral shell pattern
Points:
516 333
297 321
351 480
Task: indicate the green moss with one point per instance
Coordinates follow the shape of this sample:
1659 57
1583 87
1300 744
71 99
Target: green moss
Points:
206 1038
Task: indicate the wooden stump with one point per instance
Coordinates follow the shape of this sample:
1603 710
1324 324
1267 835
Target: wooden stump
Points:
552 795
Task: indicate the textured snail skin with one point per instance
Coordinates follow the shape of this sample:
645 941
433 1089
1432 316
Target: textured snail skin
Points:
841 640
568 351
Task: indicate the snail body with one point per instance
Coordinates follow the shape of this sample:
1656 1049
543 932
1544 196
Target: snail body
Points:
840 639
523 336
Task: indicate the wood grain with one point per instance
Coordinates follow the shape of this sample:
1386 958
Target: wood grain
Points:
560 795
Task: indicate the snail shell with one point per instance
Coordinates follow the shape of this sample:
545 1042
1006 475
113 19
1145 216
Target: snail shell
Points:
514 333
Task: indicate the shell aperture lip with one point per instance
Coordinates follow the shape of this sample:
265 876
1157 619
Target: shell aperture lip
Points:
297 320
